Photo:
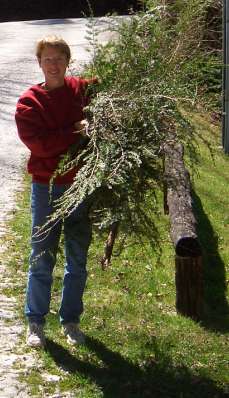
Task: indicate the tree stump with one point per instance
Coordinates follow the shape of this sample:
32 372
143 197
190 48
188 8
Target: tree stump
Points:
178 203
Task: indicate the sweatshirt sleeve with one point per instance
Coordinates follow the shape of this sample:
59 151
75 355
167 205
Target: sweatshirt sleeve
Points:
40 141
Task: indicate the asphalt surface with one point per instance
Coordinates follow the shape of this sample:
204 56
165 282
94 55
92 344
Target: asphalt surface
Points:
18 71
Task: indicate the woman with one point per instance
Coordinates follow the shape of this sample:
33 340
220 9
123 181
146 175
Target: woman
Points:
50 118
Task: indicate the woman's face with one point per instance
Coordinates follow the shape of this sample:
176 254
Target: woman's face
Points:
53 64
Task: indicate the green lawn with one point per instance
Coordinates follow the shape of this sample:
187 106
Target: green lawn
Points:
137 346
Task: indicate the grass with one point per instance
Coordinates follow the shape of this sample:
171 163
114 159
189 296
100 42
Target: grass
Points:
137 345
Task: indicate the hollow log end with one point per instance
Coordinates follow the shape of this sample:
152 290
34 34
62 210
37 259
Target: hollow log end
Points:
188 246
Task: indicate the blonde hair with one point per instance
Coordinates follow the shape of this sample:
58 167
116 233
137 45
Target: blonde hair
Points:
55 42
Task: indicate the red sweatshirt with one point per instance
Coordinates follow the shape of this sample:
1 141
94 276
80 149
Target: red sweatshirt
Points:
45 122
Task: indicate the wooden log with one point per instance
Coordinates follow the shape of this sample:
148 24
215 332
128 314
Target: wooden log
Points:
189 273
179 202
106 259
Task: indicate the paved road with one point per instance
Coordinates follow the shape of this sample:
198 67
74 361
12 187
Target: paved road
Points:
19 70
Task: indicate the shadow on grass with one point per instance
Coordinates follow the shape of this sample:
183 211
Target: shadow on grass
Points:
118 377
216 308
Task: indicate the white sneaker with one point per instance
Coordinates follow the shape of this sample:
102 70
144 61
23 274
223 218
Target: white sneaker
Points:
35 335
73 333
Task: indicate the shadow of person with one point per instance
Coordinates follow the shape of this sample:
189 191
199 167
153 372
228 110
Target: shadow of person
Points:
119 377
216 308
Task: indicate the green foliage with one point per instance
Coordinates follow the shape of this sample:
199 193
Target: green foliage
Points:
146 74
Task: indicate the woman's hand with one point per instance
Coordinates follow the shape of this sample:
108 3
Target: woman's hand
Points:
81 127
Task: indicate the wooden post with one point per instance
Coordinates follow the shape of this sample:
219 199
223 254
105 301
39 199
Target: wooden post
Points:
189 286
189 273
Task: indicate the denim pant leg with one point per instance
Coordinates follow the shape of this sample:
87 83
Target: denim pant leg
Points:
77 234
43 255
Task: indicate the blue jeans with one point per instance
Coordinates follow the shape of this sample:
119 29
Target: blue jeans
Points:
77 238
